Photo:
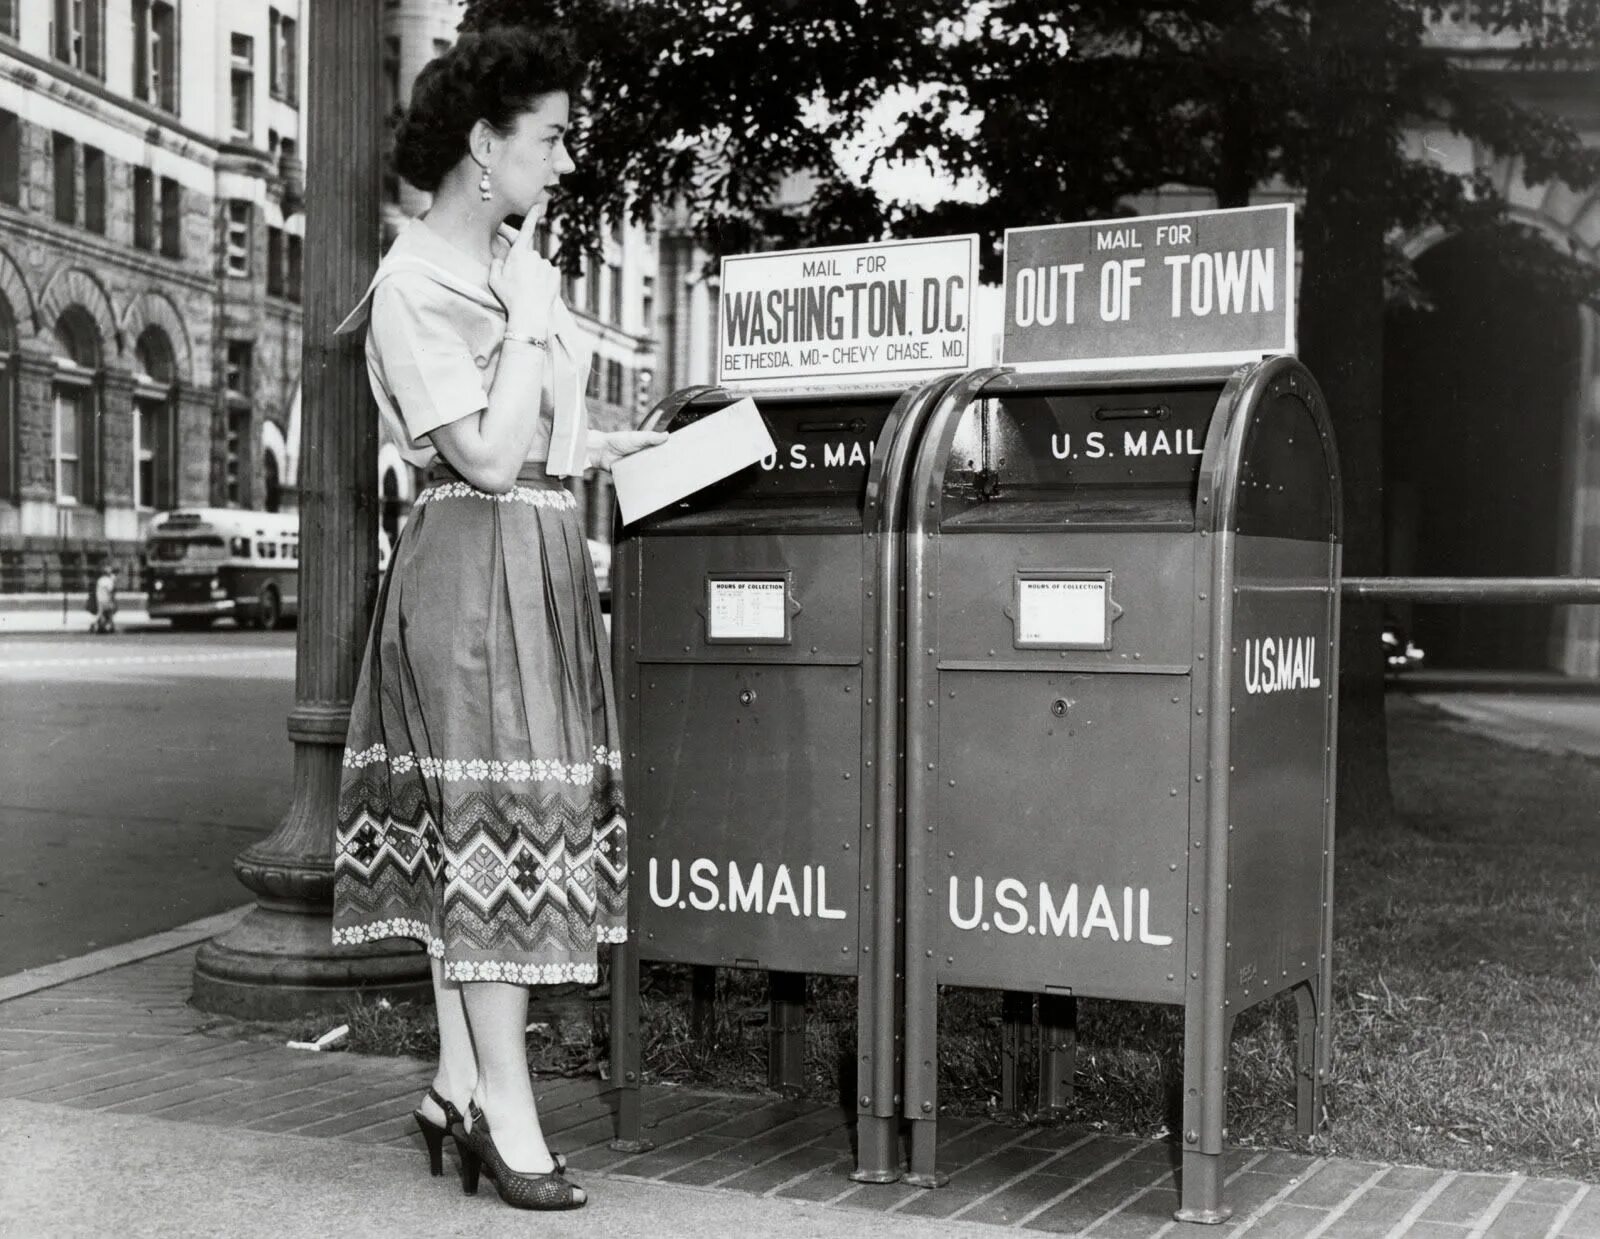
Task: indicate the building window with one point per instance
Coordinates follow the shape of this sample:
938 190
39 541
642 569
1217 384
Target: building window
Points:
569 289
274 261
171 218
238 238
647 305
80 34
144 209
8 404
614 278
69 416
282 55
592 389
8 18
238 441
155 52
591 289
613 382
295 268
10 159
155 458
542 238
73 399
94 189
243 86
64 156
237 374
238 380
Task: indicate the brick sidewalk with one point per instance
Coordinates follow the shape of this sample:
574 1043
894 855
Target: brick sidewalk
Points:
125 1041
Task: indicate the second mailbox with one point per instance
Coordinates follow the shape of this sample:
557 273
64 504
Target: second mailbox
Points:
755 628
1122 601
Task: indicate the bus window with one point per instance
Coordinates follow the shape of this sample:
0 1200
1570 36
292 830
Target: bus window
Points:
239 548
266 550
171 550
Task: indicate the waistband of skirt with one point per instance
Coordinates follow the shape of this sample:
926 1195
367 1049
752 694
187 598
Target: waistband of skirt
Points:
532 474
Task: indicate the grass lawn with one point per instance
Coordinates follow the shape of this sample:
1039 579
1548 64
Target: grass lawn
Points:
1466 969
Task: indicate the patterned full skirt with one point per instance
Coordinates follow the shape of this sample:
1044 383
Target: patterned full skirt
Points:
480 809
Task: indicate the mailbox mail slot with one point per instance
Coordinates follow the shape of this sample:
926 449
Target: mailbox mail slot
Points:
1121 681
754 626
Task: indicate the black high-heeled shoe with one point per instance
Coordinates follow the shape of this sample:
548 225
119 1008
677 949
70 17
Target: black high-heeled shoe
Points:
433 1134
519 1189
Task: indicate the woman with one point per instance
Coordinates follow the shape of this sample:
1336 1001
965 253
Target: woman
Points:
481 807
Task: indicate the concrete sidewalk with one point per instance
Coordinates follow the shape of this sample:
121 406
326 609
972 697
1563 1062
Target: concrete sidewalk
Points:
125 1111
45 613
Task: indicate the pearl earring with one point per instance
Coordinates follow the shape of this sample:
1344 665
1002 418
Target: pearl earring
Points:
483 186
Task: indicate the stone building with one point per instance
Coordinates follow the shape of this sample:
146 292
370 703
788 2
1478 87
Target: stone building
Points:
150 270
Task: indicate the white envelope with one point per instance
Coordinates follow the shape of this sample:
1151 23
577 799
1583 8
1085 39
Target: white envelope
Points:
691 459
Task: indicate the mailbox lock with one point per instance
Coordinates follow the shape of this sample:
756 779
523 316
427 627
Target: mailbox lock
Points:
1058 707
747 696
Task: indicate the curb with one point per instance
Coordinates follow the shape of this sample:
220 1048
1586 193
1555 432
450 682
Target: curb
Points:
47 976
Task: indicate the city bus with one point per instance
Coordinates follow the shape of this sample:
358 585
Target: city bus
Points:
203 564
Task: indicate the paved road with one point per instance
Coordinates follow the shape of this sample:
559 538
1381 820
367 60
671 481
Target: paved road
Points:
133 768
1546 722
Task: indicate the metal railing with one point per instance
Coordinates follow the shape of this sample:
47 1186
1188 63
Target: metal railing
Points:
1472 589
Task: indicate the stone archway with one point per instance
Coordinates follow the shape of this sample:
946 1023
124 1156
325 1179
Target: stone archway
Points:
155 309
1485 447
76 288
15 292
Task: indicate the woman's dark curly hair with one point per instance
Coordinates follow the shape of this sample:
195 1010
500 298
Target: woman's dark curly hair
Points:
491 75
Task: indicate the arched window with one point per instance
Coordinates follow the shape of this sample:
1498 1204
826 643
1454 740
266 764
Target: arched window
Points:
75 398
8 403
155 416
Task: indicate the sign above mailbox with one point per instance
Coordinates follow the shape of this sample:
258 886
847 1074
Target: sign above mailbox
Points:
1151 291
887 313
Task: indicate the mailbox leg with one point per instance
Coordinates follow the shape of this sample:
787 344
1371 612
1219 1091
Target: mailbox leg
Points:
786 1032
1058 1051
1016 1031
1201 1189
1308 1101
877 1149
1205 1093
625 1065
924 1170
703 1003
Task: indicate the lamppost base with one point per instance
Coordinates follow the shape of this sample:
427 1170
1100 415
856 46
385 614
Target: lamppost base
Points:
277 965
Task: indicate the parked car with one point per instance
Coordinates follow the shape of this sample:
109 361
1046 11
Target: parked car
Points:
1399 653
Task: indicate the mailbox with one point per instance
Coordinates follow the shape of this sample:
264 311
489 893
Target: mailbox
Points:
755 635
1121 680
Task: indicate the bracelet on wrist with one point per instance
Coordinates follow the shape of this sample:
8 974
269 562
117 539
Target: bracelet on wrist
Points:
536 341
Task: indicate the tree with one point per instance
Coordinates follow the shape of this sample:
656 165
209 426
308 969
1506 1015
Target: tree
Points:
1064 111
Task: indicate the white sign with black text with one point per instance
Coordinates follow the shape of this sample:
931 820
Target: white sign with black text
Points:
886 313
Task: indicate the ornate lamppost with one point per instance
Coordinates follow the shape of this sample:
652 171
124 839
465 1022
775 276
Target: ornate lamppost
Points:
279 961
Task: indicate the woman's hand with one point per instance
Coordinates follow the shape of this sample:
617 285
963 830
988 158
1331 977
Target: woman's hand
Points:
526 282
605 449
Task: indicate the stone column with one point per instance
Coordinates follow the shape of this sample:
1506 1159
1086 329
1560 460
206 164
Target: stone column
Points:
279 961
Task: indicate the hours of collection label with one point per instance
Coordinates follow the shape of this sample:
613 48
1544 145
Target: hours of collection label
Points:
746 610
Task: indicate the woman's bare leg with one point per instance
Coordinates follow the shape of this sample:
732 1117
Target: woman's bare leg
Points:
497 1012
457 1075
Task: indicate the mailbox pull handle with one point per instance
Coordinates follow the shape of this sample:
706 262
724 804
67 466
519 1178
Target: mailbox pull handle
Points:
1153 412
855 426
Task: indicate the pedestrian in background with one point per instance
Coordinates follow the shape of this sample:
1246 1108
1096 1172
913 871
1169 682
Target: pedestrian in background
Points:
105 600
481 809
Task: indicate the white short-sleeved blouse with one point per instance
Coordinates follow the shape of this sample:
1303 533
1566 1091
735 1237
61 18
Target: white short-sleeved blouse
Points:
432 350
